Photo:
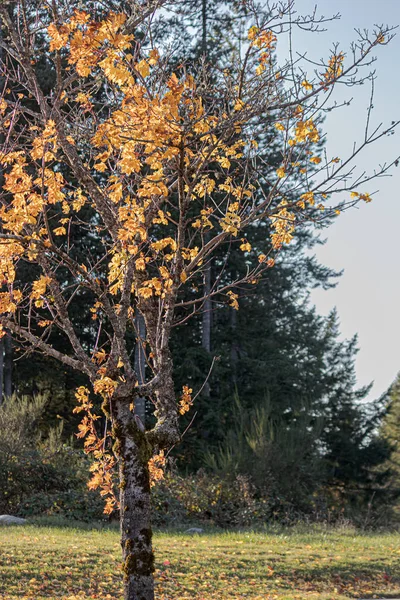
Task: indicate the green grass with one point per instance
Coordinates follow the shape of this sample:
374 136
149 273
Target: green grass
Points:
41 563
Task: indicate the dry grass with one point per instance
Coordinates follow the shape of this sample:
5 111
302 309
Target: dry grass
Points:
42 563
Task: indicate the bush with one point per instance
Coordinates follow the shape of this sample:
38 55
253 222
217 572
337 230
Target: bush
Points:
281 458
208 498
47 477
41 476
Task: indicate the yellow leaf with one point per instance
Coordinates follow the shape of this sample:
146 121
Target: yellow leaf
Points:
100 356
143 68
140 264
281 172
233 300
60 231
239 104
308 86
145 292
245 246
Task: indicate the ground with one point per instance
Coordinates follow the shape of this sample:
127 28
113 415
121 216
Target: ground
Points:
42 563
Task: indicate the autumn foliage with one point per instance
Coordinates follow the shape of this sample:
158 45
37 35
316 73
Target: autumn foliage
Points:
161 166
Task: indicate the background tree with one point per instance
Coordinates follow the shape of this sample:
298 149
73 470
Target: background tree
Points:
391 428
388 437
162 175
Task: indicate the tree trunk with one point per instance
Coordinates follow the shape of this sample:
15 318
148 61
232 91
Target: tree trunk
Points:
8 364
207 315
206 324
140 364
204 28
1 369
234 346
134 452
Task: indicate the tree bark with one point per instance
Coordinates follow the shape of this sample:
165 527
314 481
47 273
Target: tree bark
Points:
204 27
207 315
8 364
133 452
206 320
1 369
234 345
140 364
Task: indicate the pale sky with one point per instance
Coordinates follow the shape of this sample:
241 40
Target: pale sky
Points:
365 241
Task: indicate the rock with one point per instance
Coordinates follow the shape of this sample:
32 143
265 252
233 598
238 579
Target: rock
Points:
194 530
10 520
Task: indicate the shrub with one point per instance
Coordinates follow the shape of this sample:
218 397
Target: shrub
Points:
208 498
41 476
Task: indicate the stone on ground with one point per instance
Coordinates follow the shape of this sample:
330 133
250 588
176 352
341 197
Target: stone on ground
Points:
194 530
10 520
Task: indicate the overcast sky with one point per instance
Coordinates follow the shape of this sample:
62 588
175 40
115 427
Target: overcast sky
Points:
365 242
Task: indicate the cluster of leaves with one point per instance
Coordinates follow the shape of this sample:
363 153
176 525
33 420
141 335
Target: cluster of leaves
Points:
99 446
154 124
104 462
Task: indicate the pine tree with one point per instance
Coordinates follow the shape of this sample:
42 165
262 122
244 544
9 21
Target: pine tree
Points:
390 432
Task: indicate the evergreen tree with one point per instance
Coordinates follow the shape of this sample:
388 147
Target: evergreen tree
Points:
390 434
352 449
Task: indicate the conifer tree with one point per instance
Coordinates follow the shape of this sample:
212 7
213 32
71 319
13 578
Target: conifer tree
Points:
390 432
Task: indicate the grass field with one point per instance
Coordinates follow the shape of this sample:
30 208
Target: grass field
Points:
41 563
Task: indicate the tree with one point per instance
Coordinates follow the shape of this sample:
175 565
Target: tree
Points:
165 160
274 325
302 427
389 434
215 29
